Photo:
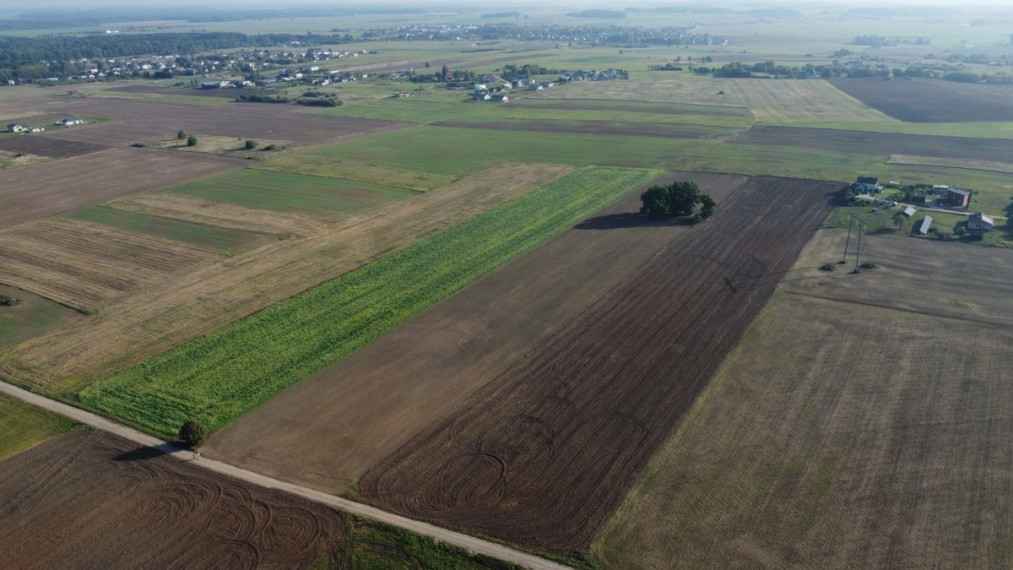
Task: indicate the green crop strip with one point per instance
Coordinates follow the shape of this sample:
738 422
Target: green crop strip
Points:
223 375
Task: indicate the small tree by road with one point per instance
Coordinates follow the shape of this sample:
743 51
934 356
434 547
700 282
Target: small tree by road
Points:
193 433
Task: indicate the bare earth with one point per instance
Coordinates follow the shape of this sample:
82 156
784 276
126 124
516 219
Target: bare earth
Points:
326 431
883 440
90 500
543 453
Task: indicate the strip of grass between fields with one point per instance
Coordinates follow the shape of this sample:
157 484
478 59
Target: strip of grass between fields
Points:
23 425
223 375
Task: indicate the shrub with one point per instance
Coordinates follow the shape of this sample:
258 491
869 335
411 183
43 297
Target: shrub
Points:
193 433
251 144
181 135
191 141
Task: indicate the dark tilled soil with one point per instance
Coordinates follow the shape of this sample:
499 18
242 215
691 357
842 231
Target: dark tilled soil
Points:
544 453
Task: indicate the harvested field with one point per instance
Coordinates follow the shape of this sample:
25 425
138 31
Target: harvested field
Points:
932 100
600 128
166 314
773 101
885 439
630 107
886 144
701 90
326 431
222 215
81 265
137 121
47 146
541 455
44 189
970 164
89 499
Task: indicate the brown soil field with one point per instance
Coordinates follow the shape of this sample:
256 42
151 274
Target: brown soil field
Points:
593 128
90 500
81 265
57 186
542 454
217 93
220 214
48 146
931 100
865 421
132 121
885 144
326 431
162 315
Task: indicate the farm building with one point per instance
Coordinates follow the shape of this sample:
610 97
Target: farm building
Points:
958 198
16 128
866 185
978 223
926 223
70 121
909 211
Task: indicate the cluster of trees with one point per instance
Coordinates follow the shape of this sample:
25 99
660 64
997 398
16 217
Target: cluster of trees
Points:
678 199
739 69
314 100
29 58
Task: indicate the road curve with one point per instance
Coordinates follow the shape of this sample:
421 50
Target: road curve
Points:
470 543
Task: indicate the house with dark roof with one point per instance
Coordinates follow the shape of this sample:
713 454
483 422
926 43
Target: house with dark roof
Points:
957 198
866 185
978 223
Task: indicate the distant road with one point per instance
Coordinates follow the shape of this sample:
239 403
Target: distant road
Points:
464 541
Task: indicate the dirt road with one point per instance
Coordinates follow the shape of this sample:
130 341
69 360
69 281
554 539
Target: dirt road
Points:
469 543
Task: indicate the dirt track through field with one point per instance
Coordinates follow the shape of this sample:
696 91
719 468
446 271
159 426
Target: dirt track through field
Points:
542 454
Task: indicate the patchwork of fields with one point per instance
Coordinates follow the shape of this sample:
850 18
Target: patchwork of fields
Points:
452 310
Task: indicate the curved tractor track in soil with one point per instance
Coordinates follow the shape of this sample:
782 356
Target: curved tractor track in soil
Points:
543 454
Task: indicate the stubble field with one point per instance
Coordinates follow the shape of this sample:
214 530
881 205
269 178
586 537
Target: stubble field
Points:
882 439
542 454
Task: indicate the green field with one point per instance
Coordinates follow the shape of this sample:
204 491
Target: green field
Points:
322 197
213 237
223 375
23 425
32 316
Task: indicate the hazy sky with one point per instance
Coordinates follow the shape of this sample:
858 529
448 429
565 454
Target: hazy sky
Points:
14 5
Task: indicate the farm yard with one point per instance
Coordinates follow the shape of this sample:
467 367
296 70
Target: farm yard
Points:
454 310
881 439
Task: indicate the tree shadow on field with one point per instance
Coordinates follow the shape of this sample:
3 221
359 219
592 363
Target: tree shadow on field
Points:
625 220
150 452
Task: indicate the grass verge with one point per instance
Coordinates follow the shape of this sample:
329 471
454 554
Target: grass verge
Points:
23 425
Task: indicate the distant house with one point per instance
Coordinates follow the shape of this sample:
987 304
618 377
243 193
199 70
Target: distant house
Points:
978 223
958 198
866 185
924 228
70 121
16 128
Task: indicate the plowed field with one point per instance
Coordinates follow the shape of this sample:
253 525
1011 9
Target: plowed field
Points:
931 100
542 454
90 500
47 146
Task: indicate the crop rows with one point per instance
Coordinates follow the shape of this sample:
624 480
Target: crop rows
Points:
218 377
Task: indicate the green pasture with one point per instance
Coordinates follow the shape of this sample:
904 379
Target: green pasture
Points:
32 316
23 425
223 375
327 198
213 237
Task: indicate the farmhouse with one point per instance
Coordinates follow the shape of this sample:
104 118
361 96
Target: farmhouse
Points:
867 185
16 128
958 198
978 223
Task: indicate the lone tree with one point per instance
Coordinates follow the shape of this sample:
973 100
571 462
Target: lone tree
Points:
193 433
678 199
191 140
250 144
181 135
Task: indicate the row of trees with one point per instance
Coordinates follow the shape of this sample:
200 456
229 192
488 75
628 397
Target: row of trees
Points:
678 199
